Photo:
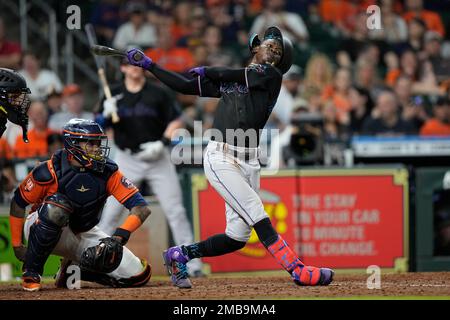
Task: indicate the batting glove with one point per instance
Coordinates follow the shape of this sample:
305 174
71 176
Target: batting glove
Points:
151 151
109 107
198 72
137 58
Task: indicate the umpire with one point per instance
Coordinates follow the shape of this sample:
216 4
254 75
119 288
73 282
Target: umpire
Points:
148 117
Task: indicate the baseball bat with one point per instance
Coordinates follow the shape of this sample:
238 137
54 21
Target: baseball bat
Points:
100 69
108 51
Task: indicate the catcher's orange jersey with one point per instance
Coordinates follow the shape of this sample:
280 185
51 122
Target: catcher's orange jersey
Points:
34 192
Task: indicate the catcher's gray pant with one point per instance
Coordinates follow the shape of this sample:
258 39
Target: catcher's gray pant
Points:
162 177
237 181
71 246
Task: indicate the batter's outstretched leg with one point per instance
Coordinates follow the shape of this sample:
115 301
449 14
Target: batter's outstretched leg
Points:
280 250
177 257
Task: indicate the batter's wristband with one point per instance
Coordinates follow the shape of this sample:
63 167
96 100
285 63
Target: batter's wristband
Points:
16 226
123 234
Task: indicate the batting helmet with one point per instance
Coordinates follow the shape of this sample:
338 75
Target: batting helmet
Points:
275 33
14 100
86 142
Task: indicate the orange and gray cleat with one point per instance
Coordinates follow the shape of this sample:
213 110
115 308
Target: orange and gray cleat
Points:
31 281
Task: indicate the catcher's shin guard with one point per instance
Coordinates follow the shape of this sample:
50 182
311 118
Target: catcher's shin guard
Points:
53 215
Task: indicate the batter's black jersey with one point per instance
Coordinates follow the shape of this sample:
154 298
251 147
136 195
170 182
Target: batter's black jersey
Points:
247 105
144 115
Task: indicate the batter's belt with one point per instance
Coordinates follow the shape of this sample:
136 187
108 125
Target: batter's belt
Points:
242 153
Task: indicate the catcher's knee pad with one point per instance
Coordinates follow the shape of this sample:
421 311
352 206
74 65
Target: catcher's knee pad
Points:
53 215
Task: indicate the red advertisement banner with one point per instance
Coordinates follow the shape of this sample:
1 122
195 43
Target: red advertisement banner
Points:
343 221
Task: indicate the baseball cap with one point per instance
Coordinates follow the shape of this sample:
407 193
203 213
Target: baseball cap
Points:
294 73
71 89
273 33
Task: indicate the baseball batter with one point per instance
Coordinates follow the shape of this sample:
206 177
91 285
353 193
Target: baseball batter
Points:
148 117
68 193
247 97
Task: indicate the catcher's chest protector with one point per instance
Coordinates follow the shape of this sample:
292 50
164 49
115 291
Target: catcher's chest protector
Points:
85 190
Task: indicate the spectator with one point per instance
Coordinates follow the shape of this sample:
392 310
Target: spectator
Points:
338 13
409 67
411 108
319 72
73 103
54 101
338 94
106 17
37 147
394 28
334 129
290 87
357 39
136 32
291 24
168 55
217 54
231 30
361 106
182 20
40 81
388 122
366 76
432 52
439 125
197 25
416 34
10 52
200 55
433 21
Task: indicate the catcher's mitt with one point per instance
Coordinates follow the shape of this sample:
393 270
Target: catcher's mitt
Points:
104 257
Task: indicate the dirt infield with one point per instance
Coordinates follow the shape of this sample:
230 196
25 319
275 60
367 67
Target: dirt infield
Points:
274 287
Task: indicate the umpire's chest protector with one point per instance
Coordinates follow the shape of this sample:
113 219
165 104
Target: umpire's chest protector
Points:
85 189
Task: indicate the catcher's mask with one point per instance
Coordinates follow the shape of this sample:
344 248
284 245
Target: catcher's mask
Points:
14 100
86 142
274 33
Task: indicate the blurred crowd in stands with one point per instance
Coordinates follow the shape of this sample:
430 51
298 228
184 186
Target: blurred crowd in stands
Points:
391 81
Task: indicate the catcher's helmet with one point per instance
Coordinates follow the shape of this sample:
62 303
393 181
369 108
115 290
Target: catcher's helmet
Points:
275 33
14 100
94 153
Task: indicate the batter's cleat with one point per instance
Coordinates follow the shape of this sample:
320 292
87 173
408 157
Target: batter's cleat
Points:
312 276
31 281
175 262
62 276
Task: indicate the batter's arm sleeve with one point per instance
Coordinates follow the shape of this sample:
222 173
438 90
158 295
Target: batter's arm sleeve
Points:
175 81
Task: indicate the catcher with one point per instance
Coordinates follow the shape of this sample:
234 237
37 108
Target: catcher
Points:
247 97
14 101
68 193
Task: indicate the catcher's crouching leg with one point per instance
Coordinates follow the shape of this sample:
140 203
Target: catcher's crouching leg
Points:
107 280
45 233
